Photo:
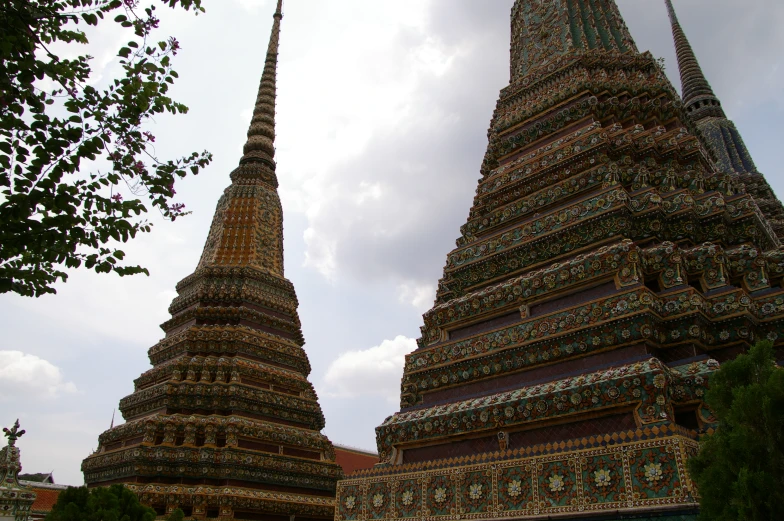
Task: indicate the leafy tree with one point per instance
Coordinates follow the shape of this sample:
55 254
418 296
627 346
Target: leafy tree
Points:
69 150
176 515
739 470
114 503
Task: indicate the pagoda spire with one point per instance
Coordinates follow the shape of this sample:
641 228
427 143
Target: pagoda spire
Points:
243 234
698 97
260 146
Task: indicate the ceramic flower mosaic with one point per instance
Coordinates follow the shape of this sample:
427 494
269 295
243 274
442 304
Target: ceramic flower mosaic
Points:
514 488
653 472
602 477
556 483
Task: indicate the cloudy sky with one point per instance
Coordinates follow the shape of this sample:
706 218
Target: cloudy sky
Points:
383 110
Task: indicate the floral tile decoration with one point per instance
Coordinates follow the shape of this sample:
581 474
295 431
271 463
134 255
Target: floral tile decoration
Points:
557 484
408 497
441 497
379 501
637 475
603 482
477 492
515 490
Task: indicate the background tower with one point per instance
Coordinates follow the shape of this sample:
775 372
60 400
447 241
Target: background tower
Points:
226 425
718 134
606 265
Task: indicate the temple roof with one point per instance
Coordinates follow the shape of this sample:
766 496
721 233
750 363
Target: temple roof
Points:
352 459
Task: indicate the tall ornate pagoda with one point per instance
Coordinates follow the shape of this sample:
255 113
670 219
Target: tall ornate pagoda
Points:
226 425
719 134
608 264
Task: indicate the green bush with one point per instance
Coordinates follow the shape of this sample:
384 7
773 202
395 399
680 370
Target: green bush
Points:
114 503
739 470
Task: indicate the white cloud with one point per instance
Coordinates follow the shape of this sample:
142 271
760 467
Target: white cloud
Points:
252 5
419 296
28 375
384 210
374 371
320 254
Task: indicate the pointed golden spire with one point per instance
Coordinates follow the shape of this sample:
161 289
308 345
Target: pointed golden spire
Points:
260 146
698 97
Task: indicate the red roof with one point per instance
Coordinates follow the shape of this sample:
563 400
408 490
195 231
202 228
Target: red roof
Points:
354 459
45 499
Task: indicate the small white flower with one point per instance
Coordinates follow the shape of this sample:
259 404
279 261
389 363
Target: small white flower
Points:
350 502
378 500
653 472
556 483
515 487
408 498
440 495
475 491
602 477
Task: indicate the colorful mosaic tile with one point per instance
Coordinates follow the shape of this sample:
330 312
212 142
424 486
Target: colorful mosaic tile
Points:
477 492
618 476
441 498
515 489
408 497
378 501
654 473
602 483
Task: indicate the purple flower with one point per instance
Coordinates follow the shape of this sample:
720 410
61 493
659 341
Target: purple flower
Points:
174 45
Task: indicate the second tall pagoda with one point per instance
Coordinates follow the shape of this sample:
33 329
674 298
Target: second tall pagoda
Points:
226 424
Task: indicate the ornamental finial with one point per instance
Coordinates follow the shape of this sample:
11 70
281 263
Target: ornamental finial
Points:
13 433
698 97
260 146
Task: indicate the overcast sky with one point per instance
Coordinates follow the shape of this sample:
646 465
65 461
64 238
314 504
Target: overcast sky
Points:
383 109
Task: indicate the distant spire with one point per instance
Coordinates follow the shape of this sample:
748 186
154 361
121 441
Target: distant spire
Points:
260 146
698 97
112 425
